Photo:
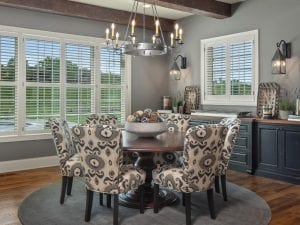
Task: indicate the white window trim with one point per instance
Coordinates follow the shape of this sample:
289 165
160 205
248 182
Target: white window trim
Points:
22 34
231 100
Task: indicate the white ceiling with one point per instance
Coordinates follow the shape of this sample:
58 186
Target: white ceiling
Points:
126 5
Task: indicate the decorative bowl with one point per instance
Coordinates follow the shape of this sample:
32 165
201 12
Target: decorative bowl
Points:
146 129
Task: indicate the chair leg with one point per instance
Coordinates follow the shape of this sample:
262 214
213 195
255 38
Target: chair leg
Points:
211 204
108 200
101 198
188 212
116 209
183 198
217 184
64 183
89 203
69 186
142 207
155 203
223 183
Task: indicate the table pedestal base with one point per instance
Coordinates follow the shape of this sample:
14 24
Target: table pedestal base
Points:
132 199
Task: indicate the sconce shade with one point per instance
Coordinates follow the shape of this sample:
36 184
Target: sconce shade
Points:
278 63
279 58
175 71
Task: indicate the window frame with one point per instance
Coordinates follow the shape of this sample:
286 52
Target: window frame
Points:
228 99
22 34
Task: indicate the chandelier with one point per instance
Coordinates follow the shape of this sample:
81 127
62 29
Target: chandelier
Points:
140 45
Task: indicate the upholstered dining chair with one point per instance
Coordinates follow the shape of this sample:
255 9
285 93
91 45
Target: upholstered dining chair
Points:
100 150
202 152
233 126
69 161
175 123
109 119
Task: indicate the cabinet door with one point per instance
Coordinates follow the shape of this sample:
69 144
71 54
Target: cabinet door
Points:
267 147
291 150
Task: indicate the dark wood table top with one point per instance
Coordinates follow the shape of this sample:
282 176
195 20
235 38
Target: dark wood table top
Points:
165 142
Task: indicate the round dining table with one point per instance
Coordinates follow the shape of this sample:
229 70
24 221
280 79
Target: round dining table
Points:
145 148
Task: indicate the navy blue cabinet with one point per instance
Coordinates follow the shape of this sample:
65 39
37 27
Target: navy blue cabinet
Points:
241 158
278 151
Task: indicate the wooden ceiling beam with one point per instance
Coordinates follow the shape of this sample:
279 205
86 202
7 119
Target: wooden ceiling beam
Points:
209 8
80 10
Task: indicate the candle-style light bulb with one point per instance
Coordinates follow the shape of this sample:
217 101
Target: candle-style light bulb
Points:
133 40
113 26
180 34
176 30
117 37
132 26
107 33
156 27
172 39
153 39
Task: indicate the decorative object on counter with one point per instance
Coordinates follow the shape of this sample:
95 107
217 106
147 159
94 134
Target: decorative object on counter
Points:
268 97
191 98
294 118
166 103
145 123
297 111
175 71
279 58
142 45
286 107
267 112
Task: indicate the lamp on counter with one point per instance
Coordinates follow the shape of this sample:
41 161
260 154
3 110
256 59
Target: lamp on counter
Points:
279 58
175 71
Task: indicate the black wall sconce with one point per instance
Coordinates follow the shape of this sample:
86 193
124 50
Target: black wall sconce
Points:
175 71
279 58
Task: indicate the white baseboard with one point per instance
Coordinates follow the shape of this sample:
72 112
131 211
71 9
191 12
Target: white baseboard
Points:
27 164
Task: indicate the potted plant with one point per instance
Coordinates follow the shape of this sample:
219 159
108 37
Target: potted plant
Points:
286 107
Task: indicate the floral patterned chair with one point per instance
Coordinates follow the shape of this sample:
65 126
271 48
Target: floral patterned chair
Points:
69 161
100 150
202 152
233 126
109 119
102 119
176 123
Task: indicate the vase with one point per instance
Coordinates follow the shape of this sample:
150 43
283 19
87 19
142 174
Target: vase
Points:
284 115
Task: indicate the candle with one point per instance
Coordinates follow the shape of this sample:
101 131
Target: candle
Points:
117 37
113 26
176 30
133 40
156 27
172 39
153 39
180 34
132 26
107 33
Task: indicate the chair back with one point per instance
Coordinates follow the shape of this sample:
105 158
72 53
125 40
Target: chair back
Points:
202 152
176 122
233 125
100 151
62 139
102 119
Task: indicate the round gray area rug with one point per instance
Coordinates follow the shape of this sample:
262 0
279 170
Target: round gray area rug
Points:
42 207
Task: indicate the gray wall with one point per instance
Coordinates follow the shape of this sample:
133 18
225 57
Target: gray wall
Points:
149 75
275 20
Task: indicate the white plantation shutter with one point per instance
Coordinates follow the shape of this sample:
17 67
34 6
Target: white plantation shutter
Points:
8 84
42 82
241 67
215 70
113 83
229 74
80 79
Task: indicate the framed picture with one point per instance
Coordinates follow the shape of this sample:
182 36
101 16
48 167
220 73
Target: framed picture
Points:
191 98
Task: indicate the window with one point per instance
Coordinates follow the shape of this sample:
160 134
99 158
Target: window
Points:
229 69
45 74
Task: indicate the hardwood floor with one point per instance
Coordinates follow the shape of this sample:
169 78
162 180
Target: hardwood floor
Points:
283 198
